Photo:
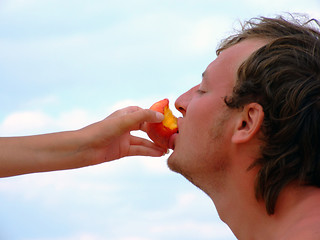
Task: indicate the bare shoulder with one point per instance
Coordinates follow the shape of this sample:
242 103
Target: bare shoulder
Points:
304 234
305 218
306 229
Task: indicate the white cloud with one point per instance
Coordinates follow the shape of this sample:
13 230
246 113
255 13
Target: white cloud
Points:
24 121
151 165
27 122
74 119
202 36
50 187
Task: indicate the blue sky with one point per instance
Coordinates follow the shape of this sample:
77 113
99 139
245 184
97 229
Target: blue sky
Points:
65 64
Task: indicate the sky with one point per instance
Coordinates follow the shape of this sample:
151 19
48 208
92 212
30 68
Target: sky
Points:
66 64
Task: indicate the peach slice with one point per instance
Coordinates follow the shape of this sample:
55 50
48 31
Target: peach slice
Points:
160 133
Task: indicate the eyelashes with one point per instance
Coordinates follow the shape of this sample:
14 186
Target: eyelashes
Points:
200 92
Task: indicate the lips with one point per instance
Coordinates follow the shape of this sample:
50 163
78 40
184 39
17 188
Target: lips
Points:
172 140
173 137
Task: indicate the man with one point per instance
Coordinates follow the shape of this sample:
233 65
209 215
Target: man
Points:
249 136
250 132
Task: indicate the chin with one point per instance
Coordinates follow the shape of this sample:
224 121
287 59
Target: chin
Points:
178 167
174 163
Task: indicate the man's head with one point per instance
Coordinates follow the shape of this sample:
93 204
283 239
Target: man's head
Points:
202 145
281 73
284 78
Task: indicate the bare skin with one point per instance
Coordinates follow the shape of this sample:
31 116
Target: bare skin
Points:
226 142
100 142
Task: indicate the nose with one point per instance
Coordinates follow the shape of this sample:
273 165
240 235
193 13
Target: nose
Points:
182 102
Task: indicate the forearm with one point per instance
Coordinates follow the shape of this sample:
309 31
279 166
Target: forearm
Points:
100 142
40 153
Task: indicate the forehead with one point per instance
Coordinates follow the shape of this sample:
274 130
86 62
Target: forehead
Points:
226 65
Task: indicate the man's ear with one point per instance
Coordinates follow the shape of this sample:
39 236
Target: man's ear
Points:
248 123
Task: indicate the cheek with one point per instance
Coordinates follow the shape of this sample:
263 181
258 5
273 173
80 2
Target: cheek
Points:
195 131
195 134
201 113
203 124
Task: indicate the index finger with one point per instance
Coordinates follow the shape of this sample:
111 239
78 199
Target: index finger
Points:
136 119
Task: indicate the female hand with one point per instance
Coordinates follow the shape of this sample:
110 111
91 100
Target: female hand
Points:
110 139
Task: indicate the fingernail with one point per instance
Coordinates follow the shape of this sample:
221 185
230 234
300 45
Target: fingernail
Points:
159 116
167 152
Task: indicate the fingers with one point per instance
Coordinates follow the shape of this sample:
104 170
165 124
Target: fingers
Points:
124 111
134 118
134 140
143 147
144 151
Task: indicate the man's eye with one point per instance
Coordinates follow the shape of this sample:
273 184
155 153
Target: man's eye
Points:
199 91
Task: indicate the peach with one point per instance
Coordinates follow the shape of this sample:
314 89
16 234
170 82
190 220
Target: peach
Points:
160 133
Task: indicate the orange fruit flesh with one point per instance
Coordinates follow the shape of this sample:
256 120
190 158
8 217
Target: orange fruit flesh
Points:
169 121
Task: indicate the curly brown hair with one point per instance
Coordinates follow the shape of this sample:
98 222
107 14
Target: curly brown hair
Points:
284 78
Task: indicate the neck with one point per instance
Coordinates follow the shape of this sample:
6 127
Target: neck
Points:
238 207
